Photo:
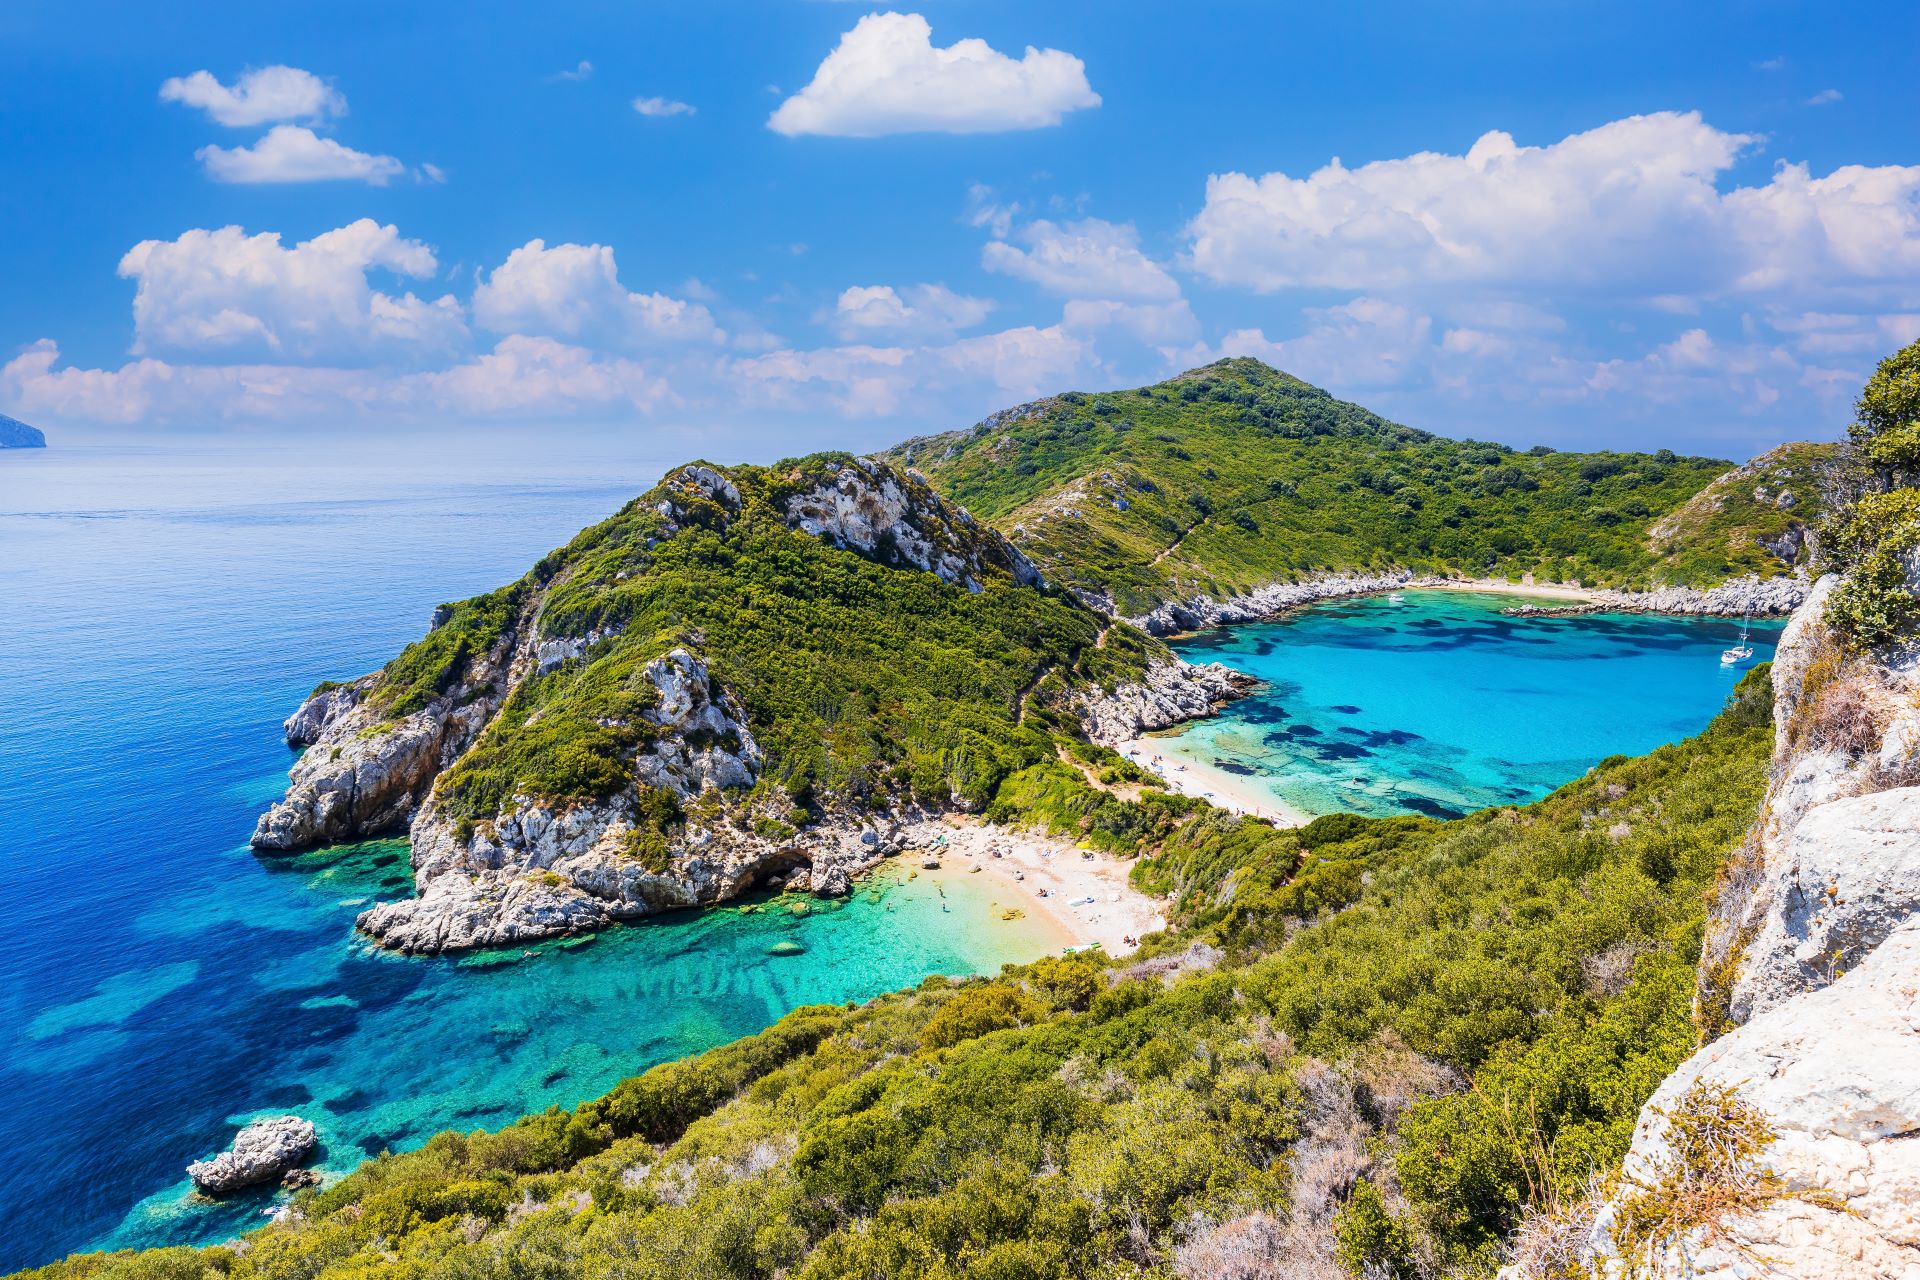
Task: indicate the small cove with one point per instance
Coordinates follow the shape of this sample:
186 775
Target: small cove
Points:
1440 704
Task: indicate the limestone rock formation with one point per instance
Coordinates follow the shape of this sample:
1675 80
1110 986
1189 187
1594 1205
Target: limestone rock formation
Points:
540 870
882 514
1173 692
264 1151
1837 1074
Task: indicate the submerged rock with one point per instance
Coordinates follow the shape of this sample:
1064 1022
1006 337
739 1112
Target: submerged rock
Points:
264 1151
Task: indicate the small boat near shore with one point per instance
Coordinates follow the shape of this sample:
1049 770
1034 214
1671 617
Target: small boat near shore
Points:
1740 651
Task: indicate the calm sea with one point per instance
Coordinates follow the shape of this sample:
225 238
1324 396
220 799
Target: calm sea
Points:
1441 704
161 611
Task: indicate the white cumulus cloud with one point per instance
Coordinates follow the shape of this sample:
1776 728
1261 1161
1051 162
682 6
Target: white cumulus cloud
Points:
523 378
225 293
919 311
260 95
573 292
295 153
886 77
1629 208
1089 258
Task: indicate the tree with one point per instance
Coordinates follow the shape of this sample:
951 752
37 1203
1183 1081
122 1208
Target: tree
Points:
1886 428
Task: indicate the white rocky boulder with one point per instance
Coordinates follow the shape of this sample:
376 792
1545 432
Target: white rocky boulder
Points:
262 1152
1836 1073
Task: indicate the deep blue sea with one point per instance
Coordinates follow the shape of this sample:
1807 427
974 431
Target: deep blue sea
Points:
161 611
1441 704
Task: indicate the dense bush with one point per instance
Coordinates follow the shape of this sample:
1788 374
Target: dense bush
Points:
1874 539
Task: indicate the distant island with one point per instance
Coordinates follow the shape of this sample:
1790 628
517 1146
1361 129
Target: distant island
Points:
15 434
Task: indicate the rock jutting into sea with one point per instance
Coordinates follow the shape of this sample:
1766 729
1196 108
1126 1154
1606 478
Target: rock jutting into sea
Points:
15 434
537 867
264 1151
1172 693
1201 612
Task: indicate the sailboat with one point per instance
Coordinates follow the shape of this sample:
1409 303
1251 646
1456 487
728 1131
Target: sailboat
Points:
1741 651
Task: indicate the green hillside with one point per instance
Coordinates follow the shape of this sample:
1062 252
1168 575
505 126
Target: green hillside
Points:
1388 1086
1236 475
861 676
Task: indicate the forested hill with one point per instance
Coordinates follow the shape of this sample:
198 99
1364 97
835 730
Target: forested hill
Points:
1236 475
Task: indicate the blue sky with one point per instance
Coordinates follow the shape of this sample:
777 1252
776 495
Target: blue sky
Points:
766 227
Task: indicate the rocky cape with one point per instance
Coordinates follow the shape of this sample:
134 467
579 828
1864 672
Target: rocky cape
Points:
1809 991
538 868
1172 693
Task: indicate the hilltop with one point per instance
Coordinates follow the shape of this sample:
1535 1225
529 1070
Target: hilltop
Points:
1236 476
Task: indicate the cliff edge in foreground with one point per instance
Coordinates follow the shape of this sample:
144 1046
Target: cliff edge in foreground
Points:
1787 1145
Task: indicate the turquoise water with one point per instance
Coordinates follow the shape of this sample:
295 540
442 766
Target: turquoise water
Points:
1443 705
165 609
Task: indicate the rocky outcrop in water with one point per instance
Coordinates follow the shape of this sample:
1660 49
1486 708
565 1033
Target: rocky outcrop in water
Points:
1276 598
1172 693
264 1151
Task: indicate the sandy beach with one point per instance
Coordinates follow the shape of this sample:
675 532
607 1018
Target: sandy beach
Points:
1500 586
1087 898
1207 782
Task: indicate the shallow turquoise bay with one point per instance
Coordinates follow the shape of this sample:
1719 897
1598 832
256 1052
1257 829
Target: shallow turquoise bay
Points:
1441 704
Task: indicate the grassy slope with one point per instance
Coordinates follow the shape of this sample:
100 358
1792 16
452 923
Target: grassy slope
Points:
859 680
1736 525
1068 1120
1236 475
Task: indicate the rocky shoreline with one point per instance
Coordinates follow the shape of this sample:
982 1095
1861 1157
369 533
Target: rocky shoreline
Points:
1201 612
1738 597
1760 597
1173 693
